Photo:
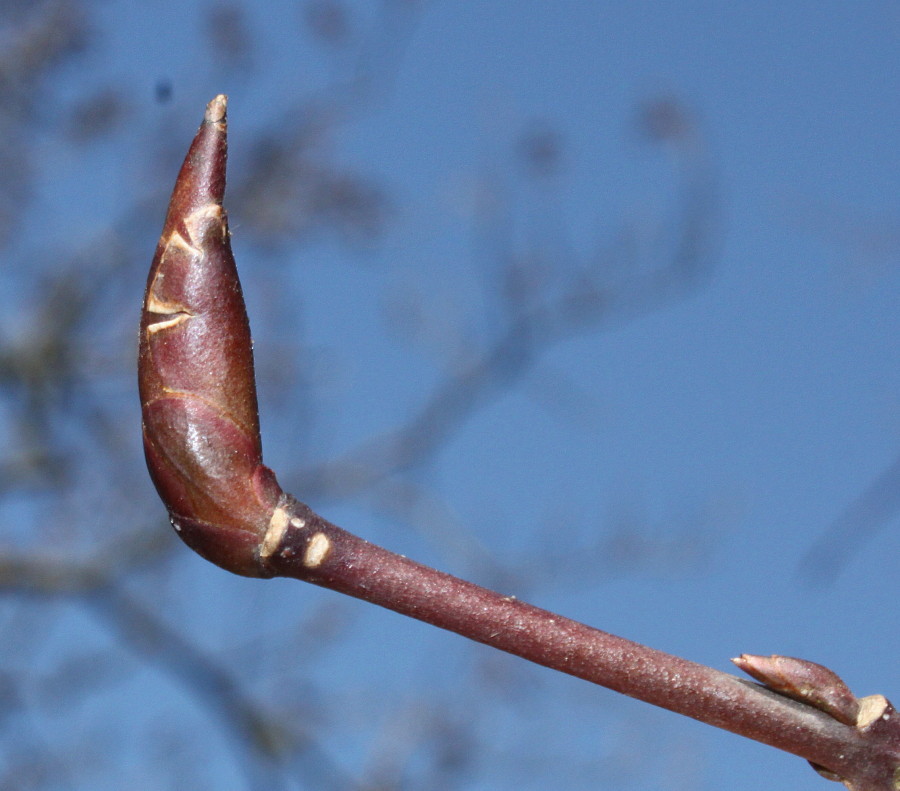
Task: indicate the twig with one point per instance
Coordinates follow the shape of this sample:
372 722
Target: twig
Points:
201 435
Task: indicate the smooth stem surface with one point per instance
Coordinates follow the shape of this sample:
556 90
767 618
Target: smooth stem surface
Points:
306 547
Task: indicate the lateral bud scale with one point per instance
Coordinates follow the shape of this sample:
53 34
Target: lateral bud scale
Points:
195 370
806 681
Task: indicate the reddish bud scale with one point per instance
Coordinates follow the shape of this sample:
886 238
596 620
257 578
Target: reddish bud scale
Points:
805 681
195 370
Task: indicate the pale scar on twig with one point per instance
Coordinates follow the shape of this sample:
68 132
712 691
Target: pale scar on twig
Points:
316 550
278 524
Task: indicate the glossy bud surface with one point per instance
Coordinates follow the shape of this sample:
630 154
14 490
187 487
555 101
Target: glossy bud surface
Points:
195 370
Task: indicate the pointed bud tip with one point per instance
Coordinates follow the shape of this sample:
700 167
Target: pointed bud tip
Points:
215 110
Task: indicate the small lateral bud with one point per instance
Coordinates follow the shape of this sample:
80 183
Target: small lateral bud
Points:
195 370
805 681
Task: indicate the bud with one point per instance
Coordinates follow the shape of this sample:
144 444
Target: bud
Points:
805 681
195 370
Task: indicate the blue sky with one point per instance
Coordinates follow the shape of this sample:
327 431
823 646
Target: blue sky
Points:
730 427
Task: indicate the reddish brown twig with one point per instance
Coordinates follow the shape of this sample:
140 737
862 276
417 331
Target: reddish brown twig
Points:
201 436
